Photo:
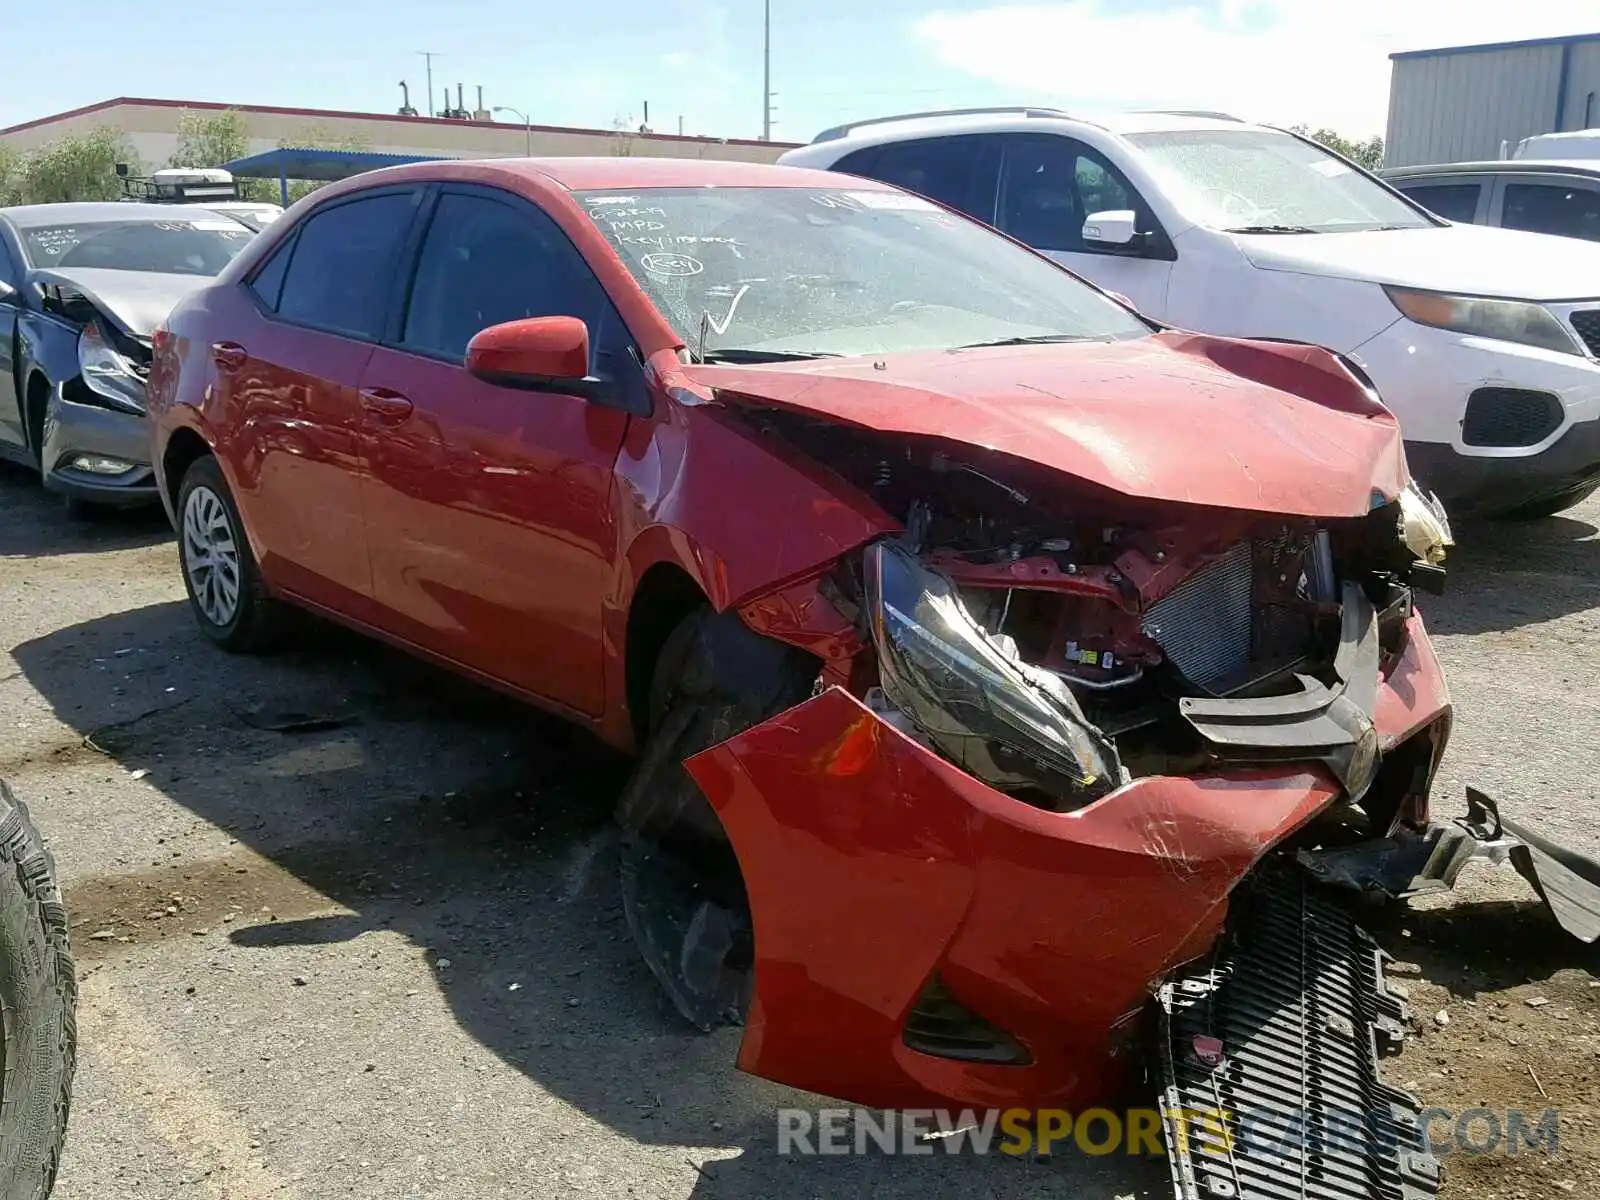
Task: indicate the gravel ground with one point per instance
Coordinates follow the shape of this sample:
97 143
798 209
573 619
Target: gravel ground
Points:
271 1013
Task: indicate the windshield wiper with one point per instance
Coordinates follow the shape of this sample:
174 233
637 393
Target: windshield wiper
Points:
1271 229
739 354
1038 340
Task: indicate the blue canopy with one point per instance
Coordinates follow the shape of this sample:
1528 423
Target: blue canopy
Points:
303 162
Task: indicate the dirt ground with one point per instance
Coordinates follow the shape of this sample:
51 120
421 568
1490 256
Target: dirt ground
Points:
348 927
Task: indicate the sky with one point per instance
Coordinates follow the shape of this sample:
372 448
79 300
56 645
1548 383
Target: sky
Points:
1283 61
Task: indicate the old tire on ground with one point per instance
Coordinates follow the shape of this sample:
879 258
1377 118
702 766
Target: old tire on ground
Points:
38 999
226 594
681 887
1549 506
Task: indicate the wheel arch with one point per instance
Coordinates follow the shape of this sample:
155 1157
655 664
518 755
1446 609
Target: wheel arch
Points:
665 595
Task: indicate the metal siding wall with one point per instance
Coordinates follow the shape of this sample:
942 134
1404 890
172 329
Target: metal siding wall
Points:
1583 79
1458 107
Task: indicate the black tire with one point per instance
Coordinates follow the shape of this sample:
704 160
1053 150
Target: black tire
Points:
1549 506
254 623
682 891
38 994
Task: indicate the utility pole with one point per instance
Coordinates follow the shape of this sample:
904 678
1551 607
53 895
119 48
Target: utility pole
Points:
429 56
766 72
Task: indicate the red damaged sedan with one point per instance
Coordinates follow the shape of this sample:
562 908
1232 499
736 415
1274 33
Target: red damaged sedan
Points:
1012 681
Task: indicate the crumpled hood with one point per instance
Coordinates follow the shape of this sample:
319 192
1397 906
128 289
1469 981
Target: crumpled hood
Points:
1476 260
1175 417
137 301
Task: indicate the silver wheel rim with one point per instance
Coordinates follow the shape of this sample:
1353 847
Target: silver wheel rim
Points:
211 555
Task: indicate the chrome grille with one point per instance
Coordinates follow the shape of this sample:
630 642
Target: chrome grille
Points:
1204 624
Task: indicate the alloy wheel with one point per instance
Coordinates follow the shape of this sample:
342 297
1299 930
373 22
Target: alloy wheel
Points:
211 555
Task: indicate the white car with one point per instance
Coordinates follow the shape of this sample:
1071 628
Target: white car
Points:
1485 342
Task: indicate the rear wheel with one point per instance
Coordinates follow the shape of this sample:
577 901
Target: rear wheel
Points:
226 594
38 999
681 887
1549 506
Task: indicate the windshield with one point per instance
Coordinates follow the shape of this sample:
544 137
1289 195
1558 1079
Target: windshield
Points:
184 245
748 273
1258 180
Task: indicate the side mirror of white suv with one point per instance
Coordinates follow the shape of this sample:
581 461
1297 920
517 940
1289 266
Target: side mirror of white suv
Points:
1117 228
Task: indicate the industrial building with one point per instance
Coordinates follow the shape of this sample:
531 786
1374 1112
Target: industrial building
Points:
152 128
1471 103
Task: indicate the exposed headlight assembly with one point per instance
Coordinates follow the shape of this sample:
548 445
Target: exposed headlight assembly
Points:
1504 320
107 373
1424 527
1006 723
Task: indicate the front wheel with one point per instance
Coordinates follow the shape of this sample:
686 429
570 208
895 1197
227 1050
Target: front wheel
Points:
1549 506
226 594
38 999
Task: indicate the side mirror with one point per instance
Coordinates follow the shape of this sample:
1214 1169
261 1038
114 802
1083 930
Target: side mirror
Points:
1118 228
537 354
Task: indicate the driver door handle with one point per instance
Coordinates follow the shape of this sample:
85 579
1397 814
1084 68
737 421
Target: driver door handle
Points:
386 405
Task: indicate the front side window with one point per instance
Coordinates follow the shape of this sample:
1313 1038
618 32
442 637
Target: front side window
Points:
1051 185
1452 201
341 269
1263 181
181 245
753 273
484 263
1552 208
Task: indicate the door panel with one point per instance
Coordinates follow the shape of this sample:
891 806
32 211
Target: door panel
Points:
489 519
292 377
1049 185
11 423
490 530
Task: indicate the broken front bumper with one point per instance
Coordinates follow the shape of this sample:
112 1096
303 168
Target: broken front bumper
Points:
923 939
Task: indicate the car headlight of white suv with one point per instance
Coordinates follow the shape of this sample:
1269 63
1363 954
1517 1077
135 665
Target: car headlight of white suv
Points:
1506 320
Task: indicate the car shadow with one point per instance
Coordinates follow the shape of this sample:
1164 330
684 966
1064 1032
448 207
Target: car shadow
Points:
1503 575
37 523
355 777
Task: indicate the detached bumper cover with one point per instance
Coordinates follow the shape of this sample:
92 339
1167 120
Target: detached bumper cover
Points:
876 871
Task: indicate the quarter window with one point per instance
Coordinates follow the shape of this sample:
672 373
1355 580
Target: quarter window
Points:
484 263
341 270
268 282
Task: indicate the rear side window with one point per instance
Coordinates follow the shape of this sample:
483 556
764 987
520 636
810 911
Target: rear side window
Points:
268 283
1552 208
958 171
1452 201
484 262
342 266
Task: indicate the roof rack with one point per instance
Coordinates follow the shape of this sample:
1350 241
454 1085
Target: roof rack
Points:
839 131
1190 112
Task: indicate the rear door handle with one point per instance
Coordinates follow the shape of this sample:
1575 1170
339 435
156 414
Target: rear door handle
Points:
386 405
230 356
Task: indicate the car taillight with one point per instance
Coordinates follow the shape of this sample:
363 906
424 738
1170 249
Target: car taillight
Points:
159 339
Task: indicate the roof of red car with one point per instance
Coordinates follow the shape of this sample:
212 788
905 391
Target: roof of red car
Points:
582 174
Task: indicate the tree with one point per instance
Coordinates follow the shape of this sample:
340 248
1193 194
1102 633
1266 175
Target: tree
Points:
9 193
1368 154
82 167
213 140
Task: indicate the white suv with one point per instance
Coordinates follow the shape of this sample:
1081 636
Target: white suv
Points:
1483 341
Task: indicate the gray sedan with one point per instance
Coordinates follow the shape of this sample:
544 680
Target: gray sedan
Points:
82 289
